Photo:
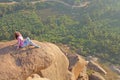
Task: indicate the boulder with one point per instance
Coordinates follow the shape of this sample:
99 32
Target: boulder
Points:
94 66
36 77
93 58
48 61
115 68
83 75
58 70
77 64
96 76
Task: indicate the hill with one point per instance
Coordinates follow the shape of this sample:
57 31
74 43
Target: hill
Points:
91 30
49 62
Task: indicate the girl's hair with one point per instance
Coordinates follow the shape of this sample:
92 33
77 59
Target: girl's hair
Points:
17 34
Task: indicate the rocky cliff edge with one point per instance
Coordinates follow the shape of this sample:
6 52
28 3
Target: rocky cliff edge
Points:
48 61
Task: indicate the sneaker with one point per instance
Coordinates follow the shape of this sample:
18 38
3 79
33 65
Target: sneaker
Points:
37 46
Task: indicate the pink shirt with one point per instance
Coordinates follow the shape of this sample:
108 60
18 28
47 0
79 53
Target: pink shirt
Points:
20 41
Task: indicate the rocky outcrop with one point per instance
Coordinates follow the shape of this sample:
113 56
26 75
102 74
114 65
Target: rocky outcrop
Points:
95 71
93 58
94 66
58 70
36 77
115 68
45 63
96 76
83 75
48 61
76 65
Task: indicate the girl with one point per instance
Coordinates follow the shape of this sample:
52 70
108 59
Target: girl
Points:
23 42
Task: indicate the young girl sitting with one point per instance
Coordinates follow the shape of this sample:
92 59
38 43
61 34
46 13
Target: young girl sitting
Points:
23 42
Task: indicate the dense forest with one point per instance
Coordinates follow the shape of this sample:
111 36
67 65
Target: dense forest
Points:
90 30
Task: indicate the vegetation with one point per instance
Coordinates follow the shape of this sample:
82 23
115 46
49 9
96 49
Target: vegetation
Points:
17 0
92 30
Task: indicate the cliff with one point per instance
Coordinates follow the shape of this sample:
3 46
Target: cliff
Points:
48 62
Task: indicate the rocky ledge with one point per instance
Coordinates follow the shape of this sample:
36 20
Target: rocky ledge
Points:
45 63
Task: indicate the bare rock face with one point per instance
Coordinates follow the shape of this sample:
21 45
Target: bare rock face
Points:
83 75
48 61
58 70
36 77
96 76
77 65
94 66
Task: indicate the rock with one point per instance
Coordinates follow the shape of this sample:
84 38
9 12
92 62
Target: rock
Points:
94 66
93 58
96 76
118 78
48 61
36 77
83 75
77 64
115 68
59 68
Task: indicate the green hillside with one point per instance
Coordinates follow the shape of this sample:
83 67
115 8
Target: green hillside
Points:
90 30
